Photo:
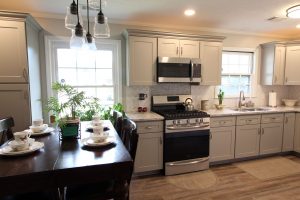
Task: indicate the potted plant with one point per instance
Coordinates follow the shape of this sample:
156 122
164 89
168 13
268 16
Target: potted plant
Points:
221 96
65 108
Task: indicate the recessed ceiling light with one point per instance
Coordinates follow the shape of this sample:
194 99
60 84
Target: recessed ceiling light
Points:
298 26
293 12
189 12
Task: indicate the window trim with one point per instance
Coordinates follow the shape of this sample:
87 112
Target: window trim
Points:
253 73
54 42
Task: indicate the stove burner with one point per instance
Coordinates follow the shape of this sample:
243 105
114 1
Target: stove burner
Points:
181 114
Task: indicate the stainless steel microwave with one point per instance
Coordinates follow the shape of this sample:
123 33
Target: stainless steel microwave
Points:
178 70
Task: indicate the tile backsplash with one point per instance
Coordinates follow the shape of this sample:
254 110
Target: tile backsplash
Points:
199 93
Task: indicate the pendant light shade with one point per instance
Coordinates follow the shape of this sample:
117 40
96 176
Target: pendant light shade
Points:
293 12
101 30
76 42
96 4
71 16
89 40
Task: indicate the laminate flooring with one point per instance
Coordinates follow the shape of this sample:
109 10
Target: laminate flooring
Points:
231 183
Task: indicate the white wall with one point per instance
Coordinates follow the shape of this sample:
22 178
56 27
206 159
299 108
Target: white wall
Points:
130 94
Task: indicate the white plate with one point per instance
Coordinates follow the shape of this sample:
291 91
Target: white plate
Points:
48 130
91 143
7 150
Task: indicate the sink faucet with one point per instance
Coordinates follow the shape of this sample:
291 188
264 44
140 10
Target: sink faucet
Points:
241 99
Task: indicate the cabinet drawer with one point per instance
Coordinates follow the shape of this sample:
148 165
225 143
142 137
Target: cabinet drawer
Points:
149 127
248 120
222 121
272 118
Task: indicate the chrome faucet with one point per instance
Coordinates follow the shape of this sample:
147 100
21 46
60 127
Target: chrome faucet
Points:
241 99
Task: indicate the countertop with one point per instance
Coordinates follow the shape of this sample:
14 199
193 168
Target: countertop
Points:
144 116
230 112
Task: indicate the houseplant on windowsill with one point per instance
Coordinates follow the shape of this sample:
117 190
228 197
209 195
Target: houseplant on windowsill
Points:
65 108
220 98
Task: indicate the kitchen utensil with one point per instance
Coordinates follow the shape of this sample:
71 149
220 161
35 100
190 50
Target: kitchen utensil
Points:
204 105
188 104
272 99
142 96
289 102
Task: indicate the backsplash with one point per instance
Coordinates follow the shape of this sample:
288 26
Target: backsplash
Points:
131 101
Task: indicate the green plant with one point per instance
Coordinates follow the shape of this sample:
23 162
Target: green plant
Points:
220 96
68 102
107 111
92 108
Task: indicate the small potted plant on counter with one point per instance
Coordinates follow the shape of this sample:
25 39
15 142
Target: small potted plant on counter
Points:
65 108
220 98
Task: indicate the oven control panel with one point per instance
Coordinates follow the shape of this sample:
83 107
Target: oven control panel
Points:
190 124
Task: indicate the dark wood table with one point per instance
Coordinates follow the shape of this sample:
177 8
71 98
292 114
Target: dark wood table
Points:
64 163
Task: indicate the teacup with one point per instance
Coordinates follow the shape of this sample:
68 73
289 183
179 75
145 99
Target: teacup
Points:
22 136
38 129
96 118
38 122
98 130
19 146
98 138
97 123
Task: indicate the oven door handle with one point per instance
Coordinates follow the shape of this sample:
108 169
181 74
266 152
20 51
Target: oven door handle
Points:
186 127
188 163
192 71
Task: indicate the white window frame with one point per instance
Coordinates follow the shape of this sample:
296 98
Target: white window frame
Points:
253 76
54 42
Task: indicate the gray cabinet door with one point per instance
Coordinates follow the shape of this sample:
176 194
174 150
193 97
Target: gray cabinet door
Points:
14 102
271 138
288 132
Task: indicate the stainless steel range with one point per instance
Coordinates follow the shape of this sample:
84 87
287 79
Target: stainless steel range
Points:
186 135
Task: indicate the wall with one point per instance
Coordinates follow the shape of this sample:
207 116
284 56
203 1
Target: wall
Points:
130 94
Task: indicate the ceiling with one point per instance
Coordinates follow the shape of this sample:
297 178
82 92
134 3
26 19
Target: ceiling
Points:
249 16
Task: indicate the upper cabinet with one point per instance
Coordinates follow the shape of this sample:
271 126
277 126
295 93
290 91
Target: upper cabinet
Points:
141 60
211 63
13 57
292 65
178 48
143 48
273 63
280 63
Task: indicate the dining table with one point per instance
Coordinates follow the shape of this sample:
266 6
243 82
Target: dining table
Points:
67 162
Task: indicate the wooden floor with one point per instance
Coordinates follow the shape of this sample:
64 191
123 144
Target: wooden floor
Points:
232 183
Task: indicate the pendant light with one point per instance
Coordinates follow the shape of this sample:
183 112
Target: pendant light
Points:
293 12
71 17
77 39
90 41
101 28
96 5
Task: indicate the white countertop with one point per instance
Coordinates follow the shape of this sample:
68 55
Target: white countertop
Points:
144 116
230 112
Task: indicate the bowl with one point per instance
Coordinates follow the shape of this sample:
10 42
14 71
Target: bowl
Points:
219 106
290 102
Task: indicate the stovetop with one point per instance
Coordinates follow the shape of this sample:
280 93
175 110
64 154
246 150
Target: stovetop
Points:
182 114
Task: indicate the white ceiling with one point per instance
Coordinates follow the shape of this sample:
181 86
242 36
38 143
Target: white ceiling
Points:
248 16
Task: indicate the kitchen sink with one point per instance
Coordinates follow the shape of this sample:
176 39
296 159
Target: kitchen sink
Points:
250 109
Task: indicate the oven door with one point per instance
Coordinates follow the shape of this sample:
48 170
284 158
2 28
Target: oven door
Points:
186 145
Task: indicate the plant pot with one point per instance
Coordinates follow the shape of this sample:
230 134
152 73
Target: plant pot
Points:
70 129
220 101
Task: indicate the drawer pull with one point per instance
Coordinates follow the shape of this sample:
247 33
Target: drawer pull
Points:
148 127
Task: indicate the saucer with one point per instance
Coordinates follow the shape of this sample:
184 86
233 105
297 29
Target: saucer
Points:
38 129
92 143
6 150
47 131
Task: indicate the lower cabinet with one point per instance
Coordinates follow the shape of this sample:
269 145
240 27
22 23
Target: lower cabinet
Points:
297 134
149 154
222 138
222 143
271 138
288 132
247 140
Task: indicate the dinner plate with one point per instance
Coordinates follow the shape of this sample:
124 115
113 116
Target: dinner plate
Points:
8 151
91 143
47 131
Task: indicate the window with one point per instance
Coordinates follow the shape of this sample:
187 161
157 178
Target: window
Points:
96 73
237 72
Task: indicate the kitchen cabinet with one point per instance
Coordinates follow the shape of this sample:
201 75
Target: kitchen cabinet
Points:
222 139
149 154
211 63
288 132
292 65
20 82
297 133
272 64
247 136
141 60
178 48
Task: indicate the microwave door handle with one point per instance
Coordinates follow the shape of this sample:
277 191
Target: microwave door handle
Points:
192 71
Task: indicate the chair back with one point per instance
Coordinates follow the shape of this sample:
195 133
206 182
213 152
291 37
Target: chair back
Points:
117 122
130 136
6 125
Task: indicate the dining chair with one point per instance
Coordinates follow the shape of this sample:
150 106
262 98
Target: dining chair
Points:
105 189
6 125
117 122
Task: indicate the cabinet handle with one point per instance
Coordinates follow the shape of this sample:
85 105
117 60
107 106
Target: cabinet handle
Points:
177 50
148 127
25 74
262 131
248 120
286 120
181 50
